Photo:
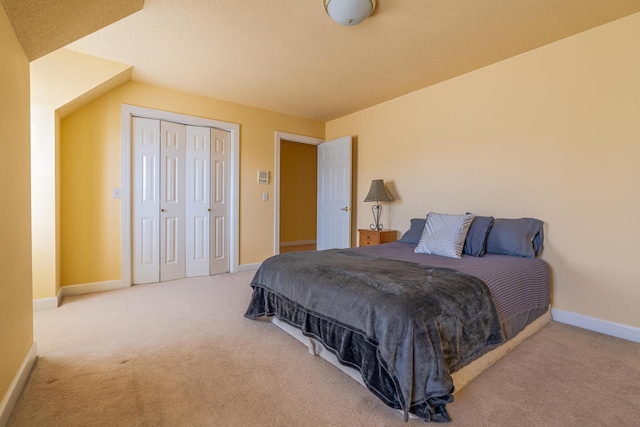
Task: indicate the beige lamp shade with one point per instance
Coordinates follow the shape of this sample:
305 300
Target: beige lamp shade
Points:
378 192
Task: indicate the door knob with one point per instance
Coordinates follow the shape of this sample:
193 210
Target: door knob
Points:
163 210
210 210
346 209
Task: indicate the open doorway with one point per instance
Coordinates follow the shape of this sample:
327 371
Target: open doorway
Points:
295 196
298 199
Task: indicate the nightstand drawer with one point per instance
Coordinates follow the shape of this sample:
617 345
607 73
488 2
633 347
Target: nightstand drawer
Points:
374 237
368 239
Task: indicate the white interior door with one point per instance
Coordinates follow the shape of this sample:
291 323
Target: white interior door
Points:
334 194
220 200
198 182
172 200
146 195
181 200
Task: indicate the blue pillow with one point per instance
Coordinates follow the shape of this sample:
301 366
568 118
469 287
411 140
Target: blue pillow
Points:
415 231
518 237
476 242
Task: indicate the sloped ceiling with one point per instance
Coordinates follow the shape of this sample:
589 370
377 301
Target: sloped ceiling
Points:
43 26
289 56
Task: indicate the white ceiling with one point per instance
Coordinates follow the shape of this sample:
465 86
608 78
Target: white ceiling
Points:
289 56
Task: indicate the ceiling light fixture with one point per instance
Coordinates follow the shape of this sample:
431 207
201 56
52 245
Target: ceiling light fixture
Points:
349 12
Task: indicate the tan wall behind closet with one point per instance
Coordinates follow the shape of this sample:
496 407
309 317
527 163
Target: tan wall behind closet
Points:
298 186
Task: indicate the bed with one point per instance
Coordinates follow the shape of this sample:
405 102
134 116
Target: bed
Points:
413 327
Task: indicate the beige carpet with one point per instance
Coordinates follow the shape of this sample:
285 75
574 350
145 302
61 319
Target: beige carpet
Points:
181 354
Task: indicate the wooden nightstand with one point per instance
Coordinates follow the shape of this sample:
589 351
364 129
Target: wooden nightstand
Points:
374 237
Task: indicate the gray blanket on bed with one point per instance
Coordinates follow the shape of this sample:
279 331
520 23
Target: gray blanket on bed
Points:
425 322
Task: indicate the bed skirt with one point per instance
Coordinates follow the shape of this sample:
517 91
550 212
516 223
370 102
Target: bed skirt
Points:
461 378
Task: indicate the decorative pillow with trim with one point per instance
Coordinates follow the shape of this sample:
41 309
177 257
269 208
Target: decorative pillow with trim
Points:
444 234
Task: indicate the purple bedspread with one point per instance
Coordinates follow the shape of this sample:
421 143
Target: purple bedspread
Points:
519 286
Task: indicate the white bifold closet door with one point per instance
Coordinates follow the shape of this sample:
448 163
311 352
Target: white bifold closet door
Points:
180 211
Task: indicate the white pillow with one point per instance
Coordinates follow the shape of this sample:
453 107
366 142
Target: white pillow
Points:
444 234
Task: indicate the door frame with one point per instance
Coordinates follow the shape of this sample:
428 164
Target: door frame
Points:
127 112
276 178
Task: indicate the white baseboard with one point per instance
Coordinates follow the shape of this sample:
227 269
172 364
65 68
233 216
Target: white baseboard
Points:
86 288
45 303
15 389
591 323
89 288
249 267
298 243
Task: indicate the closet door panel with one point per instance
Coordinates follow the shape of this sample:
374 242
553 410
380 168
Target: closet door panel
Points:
172 200
146 206
220 205
198 175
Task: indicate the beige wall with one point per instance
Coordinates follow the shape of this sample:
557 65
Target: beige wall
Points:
16 324
60 82
90 163
553 133
298 189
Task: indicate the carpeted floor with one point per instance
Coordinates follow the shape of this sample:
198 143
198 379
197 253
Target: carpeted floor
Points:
181 354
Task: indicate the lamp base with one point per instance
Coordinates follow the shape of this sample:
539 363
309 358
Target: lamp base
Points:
376 210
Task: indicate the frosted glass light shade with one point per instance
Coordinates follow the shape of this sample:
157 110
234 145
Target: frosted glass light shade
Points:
349 12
